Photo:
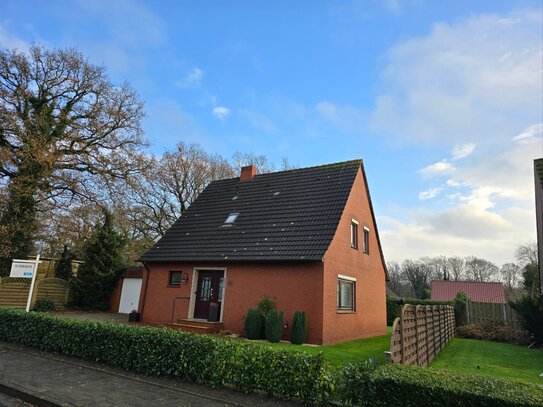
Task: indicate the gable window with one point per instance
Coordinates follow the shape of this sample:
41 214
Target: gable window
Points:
230 219
366 246
175 279
345 293
354 234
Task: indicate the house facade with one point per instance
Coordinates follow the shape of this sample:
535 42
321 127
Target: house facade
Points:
306 238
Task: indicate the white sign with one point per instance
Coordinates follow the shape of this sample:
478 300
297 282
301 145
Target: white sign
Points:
28 269
22 269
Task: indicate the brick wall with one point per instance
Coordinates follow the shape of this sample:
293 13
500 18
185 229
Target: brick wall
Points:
369 319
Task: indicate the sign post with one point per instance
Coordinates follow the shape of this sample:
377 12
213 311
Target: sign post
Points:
26 269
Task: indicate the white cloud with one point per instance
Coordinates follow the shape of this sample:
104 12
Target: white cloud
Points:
192 78
531 135
440 168
479 78
11 41
463 151
221 112
461 231
429 194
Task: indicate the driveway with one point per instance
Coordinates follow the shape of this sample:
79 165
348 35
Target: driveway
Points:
94 316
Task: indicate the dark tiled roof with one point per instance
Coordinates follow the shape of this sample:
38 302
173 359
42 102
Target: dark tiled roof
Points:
287 215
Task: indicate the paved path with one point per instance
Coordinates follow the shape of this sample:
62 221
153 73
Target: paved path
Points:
54 380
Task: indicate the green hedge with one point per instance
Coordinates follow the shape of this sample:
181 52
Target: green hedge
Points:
252 367
393 309
411 386
153 351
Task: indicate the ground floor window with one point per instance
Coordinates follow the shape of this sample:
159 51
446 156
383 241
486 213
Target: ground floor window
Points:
345 293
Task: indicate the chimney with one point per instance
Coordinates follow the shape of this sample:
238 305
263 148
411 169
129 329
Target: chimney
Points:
247 173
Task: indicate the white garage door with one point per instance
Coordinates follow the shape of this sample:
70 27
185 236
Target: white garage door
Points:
130 295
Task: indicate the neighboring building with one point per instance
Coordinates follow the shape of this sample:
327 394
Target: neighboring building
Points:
305 237
477 291
126 294
538 177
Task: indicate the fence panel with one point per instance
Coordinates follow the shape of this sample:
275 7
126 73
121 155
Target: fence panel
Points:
420 333
482 313
54 289
14 292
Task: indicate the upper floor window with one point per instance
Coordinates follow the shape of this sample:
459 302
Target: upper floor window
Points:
354 234
366 243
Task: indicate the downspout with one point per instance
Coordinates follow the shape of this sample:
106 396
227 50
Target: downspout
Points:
145 291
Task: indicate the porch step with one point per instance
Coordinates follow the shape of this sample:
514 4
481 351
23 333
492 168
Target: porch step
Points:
202 327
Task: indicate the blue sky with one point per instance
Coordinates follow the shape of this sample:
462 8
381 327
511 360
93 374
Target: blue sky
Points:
442 100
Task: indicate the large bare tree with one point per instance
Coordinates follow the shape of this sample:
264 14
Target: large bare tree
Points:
66 132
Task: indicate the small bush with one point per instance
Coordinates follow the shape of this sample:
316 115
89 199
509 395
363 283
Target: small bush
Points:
353 382
460 308
253 324
44 305
530 310
392 309
274 325
299 328
497 331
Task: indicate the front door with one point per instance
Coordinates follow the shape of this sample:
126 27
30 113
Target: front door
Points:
209 290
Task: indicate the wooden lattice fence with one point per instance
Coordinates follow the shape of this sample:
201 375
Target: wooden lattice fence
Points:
14 292
420 333
54 289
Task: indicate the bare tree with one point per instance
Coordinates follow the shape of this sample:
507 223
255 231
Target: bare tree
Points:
65 132
527 254
418 274
511 274
455 267
169 185
478 269
261 162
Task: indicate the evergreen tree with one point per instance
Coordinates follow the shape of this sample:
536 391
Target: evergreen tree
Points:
96 277
64 266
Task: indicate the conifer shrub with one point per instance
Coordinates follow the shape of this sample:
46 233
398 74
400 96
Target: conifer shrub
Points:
299 328
265 305
253 324
274 325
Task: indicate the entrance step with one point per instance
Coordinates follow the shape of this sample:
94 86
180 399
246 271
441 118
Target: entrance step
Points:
202 327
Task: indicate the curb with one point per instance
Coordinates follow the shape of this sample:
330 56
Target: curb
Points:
29 397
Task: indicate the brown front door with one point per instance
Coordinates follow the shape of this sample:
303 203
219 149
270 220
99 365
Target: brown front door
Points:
210 285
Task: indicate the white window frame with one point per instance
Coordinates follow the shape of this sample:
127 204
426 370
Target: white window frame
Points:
352 281
354 235
366 242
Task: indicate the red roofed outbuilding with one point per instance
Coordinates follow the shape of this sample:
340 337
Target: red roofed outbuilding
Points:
477 291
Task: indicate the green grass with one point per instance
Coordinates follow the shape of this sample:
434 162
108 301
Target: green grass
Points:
495 359
345 352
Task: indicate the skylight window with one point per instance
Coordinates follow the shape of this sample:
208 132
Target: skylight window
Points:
231 219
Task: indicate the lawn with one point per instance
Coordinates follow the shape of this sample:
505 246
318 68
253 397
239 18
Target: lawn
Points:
345 352
491 359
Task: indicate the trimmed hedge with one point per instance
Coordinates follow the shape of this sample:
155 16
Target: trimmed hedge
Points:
161 351
365 384
252 367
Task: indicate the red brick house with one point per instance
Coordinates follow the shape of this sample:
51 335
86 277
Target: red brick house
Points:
306 237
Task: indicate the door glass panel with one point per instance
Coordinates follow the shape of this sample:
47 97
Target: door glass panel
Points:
205 290
221 285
